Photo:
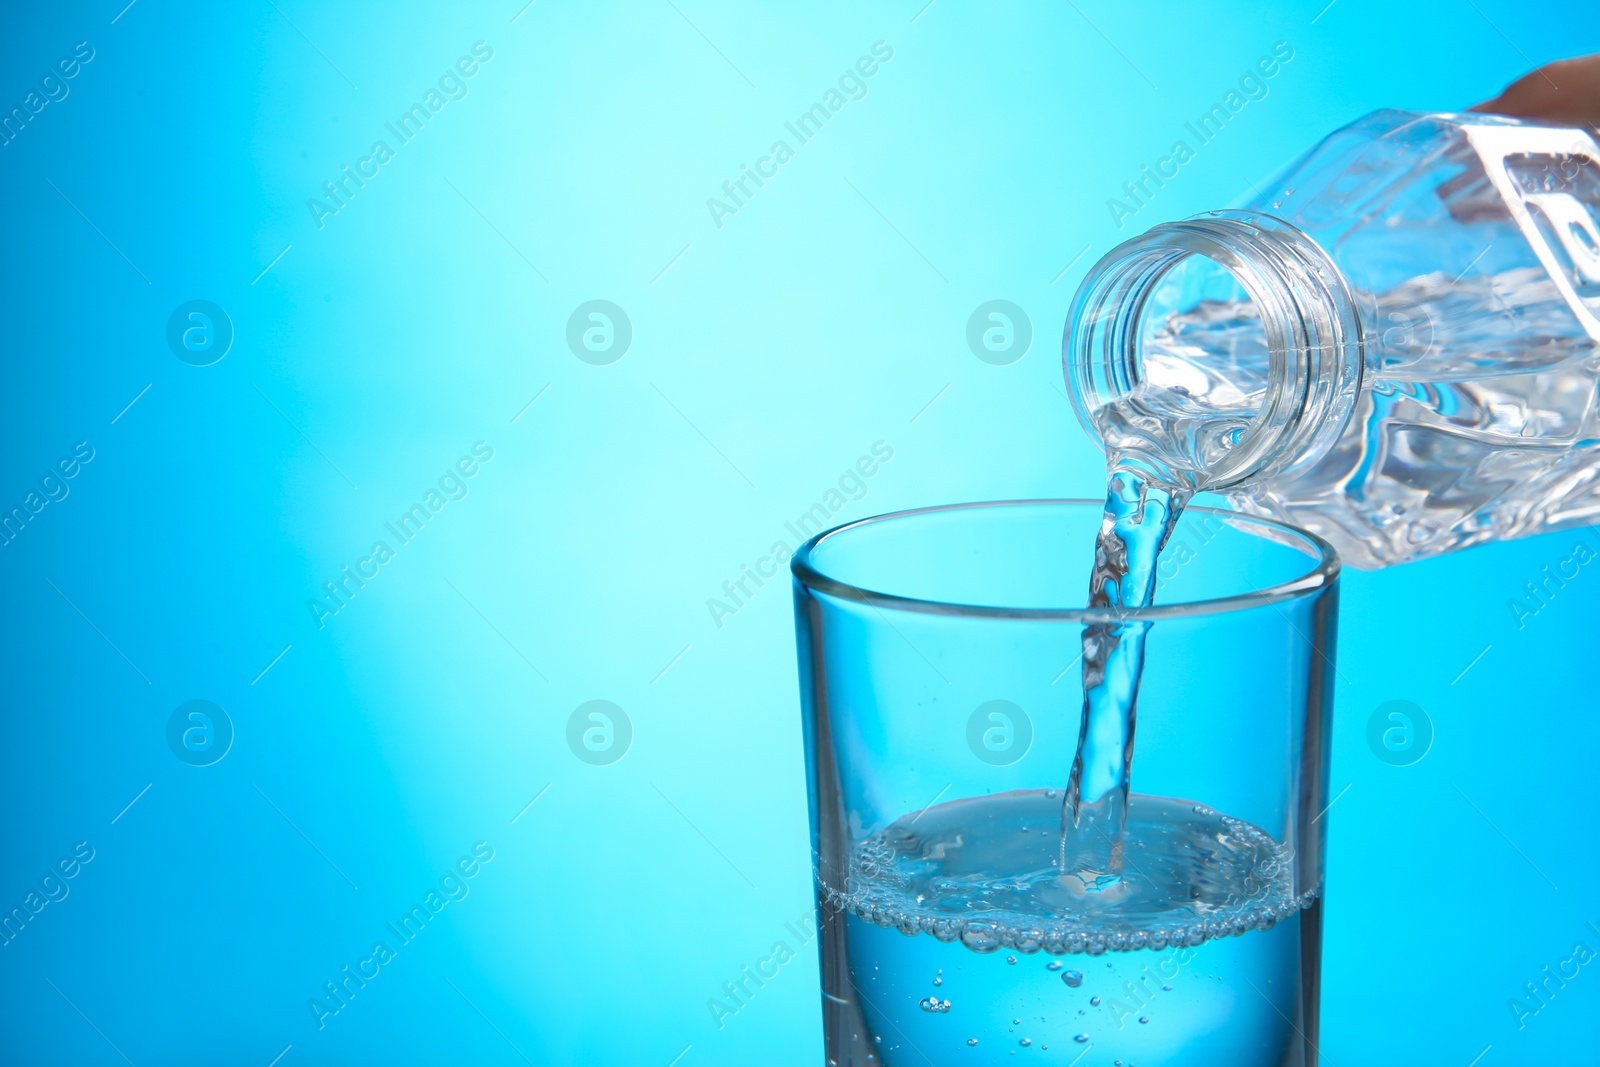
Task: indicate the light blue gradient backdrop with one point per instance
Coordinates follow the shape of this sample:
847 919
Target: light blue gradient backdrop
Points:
766 358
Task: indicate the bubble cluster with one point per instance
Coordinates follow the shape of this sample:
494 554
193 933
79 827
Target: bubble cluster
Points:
1199 875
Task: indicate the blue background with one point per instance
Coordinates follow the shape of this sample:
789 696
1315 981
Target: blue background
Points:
768 353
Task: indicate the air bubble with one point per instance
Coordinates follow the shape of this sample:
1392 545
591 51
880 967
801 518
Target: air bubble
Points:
1144 1019
972 1042
1072 978
1025 1042
1011 960
1053 965
979 937
1094 1002
1082 1039
937 980
934 1006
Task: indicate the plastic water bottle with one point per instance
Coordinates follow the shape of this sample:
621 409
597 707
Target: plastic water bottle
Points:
1395 347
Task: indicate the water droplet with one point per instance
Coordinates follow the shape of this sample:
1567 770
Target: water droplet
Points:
1082 1039
971 1042
1011 960
1094 1002
1053 965
1144 1018
1072 978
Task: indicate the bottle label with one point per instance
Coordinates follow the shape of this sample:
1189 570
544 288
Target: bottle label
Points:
1550 182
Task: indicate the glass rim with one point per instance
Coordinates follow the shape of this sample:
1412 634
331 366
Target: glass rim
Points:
1324 570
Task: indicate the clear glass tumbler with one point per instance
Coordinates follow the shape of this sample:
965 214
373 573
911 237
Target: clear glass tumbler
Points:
941 683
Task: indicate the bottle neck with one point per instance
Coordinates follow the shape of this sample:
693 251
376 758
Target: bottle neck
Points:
1254 386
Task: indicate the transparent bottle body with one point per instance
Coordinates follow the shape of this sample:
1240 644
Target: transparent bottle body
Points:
1464 248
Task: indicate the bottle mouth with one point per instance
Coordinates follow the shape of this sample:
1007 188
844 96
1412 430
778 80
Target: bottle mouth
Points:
1215 350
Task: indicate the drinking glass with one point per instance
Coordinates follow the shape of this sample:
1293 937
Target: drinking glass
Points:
940 675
